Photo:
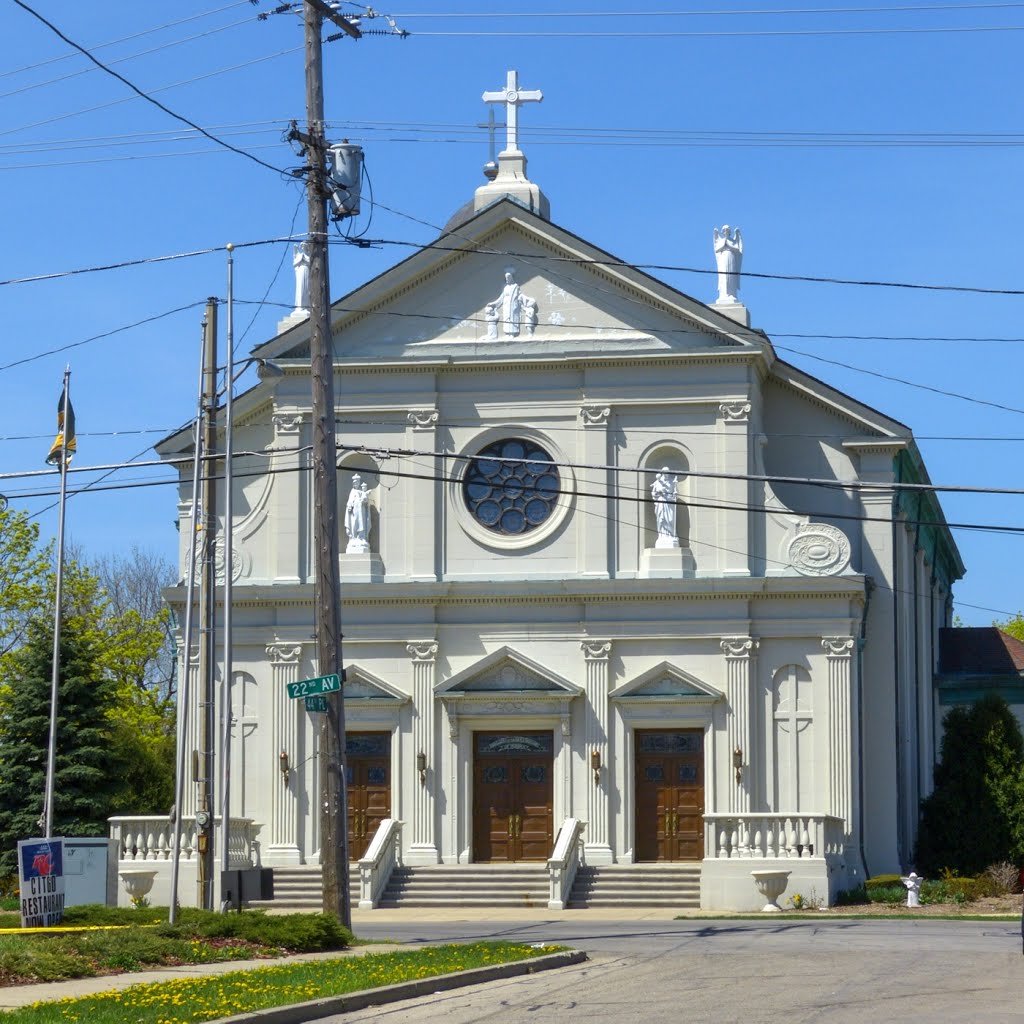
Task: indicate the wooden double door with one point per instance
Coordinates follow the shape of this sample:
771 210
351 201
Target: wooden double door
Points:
669 794
368 775
512 796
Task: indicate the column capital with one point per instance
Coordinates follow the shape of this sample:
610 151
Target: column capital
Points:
423 651
596 650
595 415
739 647
287 422
422 419
838 646
734 412
283 652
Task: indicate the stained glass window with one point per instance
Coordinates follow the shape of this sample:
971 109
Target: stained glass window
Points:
511 487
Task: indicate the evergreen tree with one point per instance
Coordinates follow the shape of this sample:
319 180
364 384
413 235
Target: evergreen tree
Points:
971 817
87 767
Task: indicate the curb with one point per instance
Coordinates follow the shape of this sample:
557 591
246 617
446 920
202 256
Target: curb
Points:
297 1013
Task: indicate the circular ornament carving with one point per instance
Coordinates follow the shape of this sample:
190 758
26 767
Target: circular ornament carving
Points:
819 550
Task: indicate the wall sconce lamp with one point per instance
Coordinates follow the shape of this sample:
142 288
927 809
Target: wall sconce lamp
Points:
737 763
282 760
421 767
595 765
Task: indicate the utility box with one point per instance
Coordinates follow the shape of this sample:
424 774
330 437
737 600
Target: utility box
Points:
239 887
90 871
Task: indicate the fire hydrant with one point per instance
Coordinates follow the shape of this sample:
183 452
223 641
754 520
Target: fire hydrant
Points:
913 884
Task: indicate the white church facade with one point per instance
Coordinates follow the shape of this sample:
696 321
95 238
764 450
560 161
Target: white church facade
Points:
586 579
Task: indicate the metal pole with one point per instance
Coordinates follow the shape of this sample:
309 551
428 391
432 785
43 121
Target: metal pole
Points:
183 689
51 750
207 619
333 797
229 451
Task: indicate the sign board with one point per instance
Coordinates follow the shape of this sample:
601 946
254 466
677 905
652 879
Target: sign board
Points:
41 882
317 704
321 684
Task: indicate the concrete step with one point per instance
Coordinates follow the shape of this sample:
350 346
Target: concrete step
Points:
636 886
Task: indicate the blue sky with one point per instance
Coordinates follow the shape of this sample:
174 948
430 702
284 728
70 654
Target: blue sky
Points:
930 194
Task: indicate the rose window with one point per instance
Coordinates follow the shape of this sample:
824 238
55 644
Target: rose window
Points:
511 487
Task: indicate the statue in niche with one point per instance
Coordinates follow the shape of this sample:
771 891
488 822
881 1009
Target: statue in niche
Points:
512 308
300 261
357 517
729 259
664 492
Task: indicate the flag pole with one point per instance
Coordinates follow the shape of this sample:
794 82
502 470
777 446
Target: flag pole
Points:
51 751
184 694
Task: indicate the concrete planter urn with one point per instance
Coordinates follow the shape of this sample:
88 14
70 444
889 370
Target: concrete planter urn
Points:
137 883
771 885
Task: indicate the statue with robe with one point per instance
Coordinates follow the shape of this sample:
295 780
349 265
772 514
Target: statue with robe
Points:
729 259
300 261
664 494
515 311
357 517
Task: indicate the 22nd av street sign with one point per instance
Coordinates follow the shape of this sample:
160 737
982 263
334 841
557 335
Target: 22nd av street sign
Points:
308 687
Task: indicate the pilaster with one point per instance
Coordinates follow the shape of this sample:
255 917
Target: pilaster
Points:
285 500
425 497
595 519
597 847
741 746
733 517
285 664
422 848
190 735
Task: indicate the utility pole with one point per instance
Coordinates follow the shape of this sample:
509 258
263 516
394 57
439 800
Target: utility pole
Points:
207 618
333 795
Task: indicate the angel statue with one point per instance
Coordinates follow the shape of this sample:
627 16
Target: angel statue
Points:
729 258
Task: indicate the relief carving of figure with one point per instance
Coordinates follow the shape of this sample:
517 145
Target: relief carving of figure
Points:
357 517
664 492
729 259
512 308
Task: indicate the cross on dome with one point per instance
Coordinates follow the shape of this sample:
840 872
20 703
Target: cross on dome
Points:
513 97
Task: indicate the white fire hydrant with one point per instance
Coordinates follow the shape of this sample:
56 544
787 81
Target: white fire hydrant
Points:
913 884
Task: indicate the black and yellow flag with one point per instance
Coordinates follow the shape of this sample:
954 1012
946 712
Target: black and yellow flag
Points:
53 459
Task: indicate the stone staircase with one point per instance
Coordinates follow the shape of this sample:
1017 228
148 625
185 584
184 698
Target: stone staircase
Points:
501 885
468 885
636 885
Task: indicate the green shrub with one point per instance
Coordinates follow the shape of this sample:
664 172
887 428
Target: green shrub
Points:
882 882
891 894
852 897
1004 876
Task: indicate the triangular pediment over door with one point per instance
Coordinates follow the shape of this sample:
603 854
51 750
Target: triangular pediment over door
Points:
666 684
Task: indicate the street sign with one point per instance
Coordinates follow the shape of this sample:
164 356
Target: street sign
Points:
317 704
321 684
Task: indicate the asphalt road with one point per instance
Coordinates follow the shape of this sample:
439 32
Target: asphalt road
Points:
871 972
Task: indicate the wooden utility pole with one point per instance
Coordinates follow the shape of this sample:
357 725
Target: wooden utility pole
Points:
207 617
333 795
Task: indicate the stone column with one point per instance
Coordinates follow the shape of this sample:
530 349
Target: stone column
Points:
740 652
191 737
287 510
422 846
842 751
597 848
595 521
285 665
736 495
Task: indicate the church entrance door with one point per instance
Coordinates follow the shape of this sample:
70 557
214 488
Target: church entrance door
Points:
368 757
669 795
512 796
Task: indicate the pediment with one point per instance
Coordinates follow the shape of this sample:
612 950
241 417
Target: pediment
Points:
667 683
452 299
362 685
506 671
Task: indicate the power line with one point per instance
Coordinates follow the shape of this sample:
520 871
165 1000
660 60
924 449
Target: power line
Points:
722 34
143 95
125 39
624 15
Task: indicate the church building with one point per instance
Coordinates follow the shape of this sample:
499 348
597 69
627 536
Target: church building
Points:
622 590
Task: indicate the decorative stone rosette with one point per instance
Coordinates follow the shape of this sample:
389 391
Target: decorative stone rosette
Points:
819 550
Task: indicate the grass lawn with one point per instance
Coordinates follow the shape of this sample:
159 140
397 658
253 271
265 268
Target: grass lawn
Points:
202 999
148 941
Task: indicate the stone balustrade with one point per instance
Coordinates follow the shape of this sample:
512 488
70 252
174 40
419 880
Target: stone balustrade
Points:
150 838
773 836
382 857
564 861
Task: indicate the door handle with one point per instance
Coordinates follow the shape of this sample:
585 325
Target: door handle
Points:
519 826
511 826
